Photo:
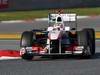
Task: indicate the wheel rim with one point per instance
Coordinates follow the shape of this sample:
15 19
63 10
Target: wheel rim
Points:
86 51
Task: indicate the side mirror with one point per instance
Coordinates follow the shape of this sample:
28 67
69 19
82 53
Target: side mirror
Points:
67 28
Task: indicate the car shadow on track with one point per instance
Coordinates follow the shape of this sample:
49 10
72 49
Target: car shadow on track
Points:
68 57
96 56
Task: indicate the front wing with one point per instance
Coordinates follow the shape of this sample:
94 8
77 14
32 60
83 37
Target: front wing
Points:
41 52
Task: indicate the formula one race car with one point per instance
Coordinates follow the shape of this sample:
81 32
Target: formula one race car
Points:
60 38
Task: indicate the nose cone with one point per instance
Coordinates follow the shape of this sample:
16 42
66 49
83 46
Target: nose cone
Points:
54 35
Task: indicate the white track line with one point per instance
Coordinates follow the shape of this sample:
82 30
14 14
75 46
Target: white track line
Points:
7 58
38 19
13 21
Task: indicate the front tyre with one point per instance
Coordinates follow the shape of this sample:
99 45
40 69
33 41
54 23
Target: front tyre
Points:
91 39
85 38
27 56
26 41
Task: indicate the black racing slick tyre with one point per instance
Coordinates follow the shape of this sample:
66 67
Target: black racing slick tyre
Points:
85 39
82 38
27 56
26 39
91 37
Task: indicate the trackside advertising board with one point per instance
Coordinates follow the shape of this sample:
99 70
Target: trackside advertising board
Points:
4 4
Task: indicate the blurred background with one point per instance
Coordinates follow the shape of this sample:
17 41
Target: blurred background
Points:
13 5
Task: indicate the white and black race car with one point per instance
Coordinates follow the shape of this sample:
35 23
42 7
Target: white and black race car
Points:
60 38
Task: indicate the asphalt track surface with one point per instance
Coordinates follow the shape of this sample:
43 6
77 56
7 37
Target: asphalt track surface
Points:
71 65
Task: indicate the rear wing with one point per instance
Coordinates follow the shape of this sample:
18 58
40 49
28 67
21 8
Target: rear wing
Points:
64 17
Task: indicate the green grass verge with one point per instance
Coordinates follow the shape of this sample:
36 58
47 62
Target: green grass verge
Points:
24 15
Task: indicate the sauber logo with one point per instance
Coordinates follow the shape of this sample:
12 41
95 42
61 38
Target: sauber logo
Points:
4 4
